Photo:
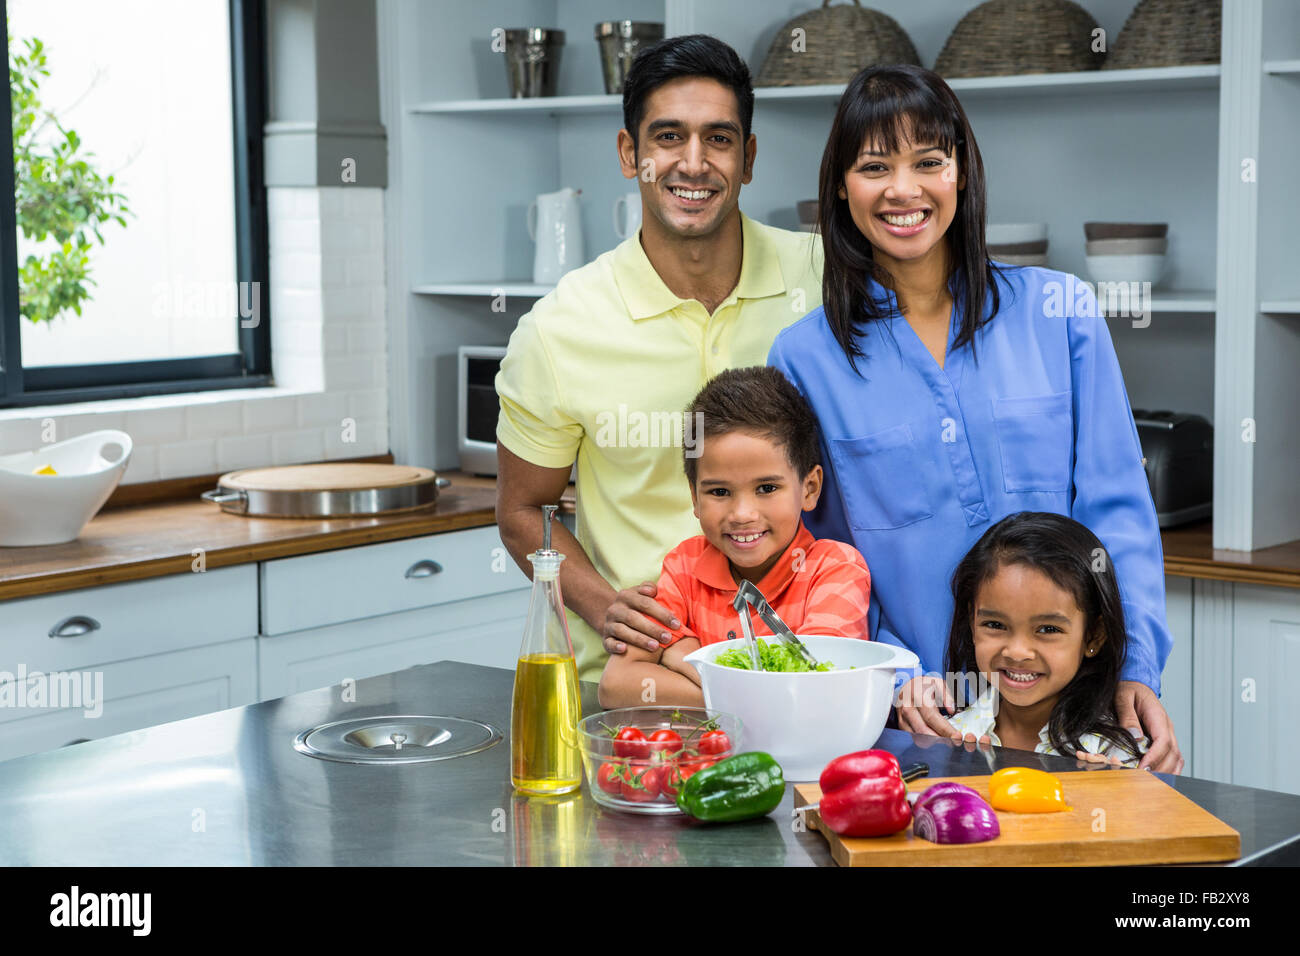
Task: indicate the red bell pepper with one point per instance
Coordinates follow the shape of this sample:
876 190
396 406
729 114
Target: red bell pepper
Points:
863 795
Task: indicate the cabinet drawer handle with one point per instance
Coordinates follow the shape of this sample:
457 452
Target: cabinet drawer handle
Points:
424 569
74 626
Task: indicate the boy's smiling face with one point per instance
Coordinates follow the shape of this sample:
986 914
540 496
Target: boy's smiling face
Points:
750 500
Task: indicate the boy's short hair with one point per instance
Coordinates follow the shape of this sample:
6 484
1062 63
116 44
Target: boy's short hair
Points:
761 400
696 54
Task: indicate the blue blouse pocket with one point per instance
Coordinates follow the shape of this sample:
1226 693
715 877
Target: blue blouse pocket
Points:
1036 442
880 478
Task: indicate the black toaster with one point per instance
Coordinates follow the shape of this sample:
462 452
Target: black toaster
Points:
1178 449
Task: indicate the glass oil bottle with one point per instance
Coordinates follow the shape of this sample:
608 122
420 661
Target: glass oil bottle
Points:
544 755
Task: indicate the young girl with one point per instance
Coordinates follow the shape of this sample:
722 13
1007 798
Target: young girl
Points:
1037 614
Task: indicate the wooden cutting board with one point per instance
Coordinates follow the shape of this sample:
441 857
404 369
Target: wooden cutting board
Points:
1118 818
342 476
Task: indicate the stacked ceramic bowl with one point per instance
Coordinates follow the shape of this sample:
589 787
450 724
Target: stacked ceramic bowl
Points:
1126 251
807 209
1017 243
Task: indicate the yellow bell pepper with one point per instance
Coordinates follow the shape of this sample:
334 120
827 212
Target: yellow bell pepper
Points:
1022 790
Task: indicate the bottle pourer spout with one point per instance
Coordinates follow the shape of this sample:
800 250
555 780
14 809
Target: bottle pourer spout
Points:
548 512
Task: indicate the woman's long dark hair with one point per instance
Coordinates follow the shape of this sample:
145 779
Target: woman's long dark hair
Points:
881 106
1072 557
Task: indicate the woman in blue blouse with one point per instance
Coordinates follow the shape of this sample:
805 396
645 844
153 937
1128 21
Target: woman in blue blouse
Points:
952 392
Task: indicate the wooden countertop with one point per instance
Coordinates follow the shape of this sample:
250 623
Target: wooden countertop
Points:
137 537
1189 554
154 538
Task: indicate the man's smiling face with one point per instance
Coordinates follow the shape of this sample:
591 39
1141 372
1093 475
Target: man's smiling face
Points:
691 158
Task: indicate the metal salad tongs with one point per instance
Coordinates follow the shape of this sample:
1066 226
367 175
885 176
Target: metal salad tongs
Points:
750 596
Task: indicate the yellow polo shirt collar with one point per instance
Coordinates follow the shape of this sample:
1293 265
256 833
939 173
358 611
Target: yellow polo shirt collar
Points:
646 295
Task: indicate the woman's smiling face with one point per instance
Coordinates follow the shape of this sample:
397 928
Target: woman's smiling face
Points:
904 201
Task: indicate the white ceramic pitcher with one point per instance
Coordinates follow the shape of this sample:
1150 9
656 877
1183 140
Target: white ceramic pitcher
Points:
627 214
555 225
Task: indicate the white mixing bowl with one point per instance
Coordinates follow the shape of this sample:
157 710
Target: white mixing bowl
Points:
52 509
806 720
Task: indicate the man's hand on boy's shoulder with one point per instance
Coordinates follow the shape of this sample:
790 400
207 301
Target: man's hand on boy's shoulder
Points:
632 617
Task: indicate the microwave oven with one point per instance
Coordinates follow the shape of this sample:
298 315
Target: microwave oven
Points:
477 407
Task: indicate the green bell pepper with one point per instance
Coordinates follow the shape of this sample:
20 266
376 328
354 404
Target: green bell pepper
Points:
738 788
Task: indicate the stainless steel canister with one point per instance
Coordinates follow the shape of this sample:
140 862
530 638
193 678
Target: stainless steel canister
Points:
619 42
533 61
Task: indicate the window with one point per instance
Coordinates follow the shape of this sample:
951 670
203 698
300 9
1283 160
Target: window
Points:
134 258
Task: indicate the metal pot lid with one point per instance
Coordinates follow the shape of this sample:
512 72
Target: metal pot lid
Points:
396 739
329 490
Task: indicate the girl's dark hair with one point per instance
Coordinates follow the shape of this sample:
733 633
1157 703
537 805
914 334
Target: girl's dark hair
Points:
881 105
696 54
1072 557
758 399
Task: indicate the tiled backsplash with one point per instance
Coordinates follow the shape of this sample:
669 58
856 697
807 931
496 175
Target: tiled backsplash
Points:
328 352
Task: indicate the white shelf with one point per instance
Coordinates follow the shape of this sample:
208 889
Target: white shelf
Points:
1281 307
1282 66
1089 81
1182 300
553 105
517 287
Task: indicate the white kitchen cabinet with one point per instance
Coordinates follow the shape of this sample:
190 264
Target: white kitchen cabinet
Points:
1176 681
352 584
141 653
483 630
1265 663
137 693
117 622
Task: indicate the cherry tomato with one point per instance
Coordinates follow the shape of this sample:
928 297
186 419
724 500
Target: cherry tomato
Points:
630 742
609 777
665 742
691 767
714 742
671 780
641 785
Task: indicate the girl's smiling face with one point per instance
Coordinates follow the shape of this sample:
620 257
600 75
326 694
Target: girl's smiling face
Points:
903 202
1030 637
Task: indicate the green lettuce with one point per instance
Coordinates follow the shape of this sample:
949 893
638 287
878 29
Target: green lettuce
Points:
775 657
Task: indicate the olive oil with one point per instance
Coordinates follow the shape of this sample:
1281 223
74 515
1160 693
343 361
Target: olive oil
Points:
546 710
544 755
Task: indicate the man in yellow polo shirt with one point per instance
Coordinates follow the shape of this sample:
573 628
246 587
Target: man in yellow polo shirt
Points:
601 370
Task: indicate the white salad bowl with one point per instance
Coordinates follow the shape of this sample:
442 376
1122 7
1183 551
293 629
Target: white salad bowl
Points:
51 509
806 720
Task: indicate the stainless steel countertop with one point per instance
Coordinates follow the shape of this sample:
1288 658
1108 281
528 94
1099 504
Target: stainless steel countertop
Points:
228 788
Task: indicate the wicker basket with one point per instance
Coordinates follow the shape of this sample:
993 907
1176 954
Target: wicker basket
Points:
1168 33
838 42
1012 37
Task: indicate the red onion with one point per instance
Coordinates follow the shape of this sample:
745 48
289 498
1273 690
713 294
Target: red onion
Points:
955 817
939 789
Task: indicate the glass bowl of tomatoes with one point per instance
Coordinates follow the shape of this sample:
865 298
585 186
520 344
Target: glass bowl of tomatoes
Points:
637 758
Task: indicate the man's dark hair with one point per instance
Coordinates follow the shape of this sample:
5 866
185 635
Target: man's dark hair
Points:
759 400
696 54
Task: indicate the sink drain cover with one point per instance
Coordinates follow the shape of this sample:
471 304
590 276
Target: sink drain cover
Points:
396 739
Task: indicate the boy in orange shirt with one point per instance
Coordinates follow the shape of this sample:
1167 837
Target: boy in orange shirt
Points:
756 473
